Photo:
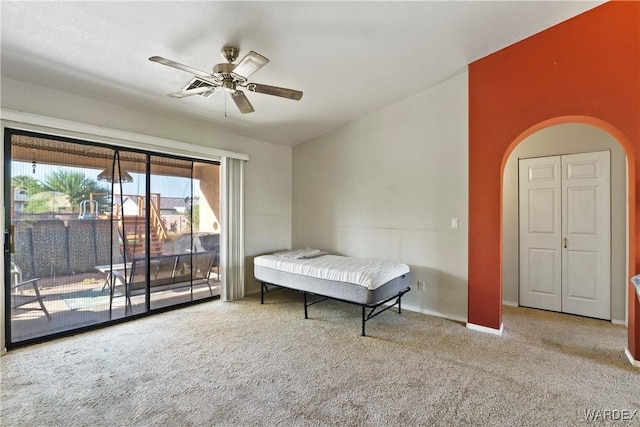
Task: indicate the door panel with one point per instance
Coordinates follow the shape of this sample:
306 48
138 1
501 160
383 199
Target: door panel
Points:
542 278
586 220
542 211
540 233
582 219
582 272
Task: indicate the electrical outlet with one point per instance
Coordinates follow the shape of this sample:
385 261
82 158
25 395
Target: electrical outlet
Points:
421 285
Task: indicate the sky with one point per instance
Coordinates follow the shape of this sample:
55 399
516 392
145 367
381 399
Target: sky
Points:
167 186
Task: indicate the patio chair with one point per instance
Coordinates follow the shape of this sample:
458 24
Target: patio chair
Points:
195 268
21 295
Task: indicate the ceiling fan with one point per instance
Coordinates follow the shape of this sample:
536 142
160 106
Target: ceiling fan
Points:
229 76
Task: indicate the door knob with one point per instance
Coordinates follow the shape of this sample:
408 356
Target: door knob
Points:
566 243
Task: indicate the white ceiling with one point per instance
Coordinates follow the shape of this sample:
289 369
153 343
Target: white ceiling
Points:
349 58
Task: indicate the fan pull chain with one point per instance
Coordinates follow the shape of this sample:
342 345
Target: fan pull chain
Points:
225 105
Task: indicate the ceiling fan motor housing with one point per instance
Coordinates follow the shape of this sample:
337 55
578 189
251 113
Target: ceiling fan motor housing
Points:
223 70
222 74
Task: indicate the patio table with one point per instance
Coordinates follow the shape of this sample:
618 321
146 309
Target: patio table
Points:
108 269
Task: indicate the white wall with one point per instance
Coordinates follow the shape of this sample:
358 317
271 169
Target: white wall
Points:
568 138
267 174
386 186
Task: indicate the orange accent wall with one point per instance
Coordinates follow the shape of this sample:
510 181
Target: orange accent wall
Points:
586 69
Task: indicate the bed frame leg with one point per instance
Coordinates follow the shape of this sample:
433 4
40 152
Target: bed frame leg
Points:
365 317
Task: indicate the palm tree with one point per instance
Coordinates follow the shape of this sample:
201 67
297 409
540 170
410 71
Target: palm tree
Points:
27 183
75 185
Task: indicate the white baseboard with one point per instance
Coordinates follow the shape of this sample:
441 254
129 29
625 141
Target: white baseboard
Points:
633 361
435 313
510 303
619 322
485 329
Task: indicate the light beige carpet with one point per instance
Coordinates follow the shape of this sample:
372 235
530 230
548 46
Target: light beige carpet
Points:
246 364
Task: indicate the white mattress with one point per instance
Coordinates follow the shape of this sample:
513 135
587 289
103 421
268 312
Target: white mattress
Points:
364 272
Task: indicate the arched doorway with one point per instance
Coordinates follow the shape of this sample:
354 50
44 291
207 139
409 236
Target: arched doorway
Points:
533 84
562 139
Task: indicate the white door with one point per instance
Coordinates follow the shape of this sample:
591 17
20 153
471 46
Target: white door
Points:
540 233
586 224
565 248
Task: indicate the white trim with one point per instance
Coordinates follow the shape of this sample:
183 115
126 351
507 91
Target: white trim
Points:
485 329
620 322
634 363
453 317
133 140
510 303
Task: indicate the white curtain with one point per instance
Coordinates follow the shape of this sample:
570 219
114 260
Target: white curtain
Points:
232 242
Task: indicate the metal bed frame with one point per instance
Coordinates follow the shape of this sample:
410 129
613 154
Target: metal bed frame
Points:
374 308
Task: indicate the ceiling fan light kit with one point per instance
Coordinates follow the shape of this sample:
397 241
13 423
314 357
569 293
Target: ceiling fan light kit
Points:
230 77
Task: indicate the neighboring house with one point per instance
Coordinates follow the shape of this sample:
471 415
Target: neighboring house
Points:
174 212
51 201
20 199
176 205
129 207
389 184
46 201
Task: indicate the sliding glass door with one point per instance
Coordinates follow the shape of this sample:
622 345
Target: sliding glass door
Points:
184 210
99 233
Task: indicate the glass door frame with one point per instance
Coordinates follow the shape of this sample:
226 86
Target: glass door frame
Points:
8 199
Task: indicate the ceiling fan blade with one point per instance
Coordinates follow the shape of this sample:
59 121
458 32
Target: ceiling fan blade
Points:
242 102
276 91
189 92
179 66
251 63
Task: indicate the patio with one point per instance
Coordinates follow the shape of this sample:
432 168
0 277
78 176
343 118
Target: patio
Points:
82 300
